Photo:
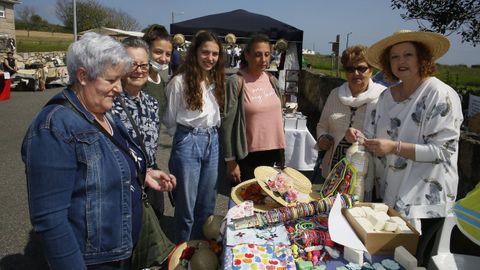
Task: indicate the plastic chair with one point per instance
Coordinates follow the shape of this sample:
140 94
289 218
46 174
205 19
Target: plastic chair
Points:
444 258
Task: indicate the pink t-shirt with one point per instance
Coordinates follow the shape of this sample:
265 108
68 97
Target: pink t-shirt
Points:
263 115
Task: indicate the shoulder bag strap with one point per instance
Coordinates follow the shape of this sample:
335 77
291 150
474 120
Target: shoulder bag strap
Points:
135 128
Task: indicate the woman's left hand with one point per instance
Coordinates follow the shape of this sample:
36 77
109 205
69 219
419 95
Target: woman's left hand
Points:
380 147
160 181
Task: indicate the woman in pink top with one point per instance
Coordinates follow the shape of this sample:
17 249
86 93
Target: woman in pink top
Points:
252 128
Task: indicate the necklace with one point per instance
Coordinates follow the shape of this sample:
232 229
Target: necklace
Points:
110 129
105 123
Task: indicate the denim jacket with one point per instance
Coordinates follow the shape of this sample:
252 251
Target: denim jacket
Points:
78 187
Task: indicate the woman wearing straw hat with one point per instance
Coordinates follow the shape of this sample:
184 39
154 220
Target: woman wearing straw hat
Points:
415 130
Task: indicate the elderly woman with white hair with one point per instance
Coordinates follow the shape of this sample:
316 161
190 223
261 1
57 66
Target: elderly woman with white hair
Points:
84 172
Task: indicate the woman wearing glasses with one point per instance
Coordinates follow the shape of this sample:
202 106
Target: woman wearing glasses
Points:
139 106
346 106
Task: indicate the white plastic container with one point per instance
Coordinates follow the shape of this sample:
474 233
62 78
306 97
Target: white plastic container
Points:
357 155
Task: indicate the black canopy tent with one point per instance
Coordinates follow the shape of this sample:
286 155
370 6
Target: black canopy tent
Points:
242 24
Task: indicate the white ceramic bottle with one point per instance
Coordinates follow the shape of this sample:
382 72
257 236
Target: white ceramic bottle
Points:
357 155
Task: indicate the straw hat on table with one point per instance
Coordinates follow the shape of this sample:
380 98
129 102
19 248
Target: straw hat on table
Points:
299 182
174 259
436 43
235 194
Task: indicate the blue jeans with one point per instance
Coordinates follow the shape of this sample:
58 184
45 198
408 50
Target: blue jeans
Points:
194 162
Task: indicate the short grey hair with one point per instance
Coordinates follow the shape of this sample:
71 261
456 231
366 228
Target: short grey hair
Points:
95 53
135 42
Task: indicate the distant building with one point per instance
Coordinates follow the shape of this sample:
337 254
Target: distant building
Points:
307 51
7 25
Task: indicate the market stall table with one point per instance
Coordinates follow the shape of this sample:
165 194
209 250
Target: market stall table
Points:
299 151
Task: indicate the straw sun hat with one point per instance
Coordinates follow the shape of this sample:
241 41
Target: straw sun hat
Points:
236 196
174 259
230 38
299 182
179 39
436 43
281 45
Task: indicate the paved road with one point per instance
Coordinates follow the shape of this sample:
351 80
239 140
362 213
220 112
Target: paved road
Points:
19 248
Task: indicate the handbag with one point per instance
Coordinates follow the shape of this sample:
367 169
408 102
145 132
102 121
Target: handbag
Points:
153 246
341 179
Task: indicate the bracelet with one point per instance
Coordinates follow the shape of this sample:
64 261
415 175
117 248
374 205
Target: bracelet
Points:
398 148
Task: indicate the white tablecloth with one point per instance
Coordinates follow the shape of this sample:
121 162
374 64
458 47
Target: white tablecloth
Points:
300 153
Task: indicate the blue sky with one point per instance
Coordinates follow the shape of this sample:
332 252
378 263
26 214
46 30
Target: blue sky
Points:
321 20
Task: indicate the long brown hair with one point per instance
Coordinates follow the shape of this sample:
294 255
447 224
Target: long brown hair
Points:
193 73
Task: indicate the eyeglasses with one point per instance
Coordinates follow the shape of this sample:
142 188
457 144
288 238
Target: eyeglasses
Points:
143 67
360 69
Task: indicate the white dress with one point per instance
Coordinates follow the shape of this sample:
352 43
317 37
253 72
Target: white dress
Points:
430 118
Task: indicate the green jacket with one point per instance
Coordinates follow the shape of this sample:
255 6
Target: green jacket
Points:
158 92
233 130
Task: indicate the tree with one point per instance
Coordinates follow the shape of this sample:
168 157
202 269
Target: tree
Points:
24 16
91 14
445 16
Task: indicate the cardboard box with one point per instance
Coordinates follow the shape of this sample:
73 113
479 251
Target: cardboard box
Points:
384 243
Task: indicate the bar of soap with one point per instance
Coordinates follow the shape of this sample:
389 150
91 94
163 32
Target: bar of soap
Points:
304 265
357 212
379 207
353 255
382 216
390 226
403 229
366 225
368 210
377 222
404 258
398 220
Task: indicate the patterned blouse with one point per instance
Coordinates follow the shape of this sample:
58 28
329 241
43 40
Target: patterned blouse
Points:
430 118
144 111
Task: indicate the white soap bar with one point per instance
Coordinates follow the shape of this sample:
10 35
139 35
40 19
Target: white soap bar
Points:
377 223
353 255
379 207
366 225
368 210
403 229
398 220
382 216
390 226
357 212
404 258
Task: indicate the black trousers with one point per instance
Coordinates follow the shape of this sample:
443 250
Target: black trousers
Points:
430 228
260 158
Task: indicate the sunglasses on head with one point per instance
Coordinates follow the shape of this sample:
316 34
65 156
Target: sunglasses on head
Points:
360 69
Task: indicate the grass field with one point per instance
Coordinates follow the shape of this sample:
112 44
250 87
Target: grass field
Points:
459 77
42 41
